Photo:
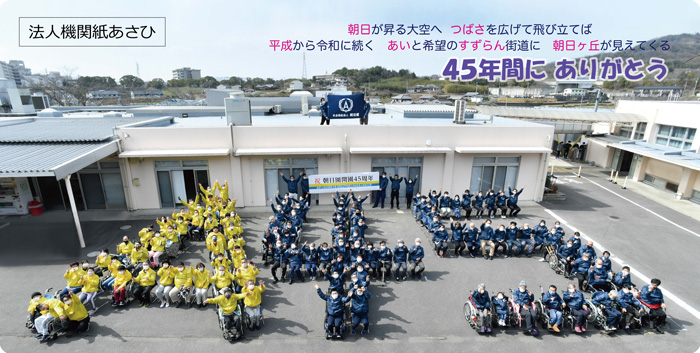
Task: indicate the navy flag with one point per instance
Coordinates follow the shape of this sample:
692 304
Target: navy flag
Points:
346 106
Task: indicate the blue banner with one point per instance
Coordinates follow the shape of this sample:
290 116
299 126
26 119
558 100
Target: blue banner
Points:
349 106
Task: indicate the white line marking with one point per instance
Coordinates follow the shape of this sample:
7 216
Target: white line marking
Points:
642 207
4 225
596 244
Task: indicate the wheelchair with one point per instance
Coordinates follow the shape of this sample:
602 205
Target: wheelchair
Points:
471 314
182 294
514 317
569 320
345 323
555 262
47 294
247 320
600 318
237 332
57 327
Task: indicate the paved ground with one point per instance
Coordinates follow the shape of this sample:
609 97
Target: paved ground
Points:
409 316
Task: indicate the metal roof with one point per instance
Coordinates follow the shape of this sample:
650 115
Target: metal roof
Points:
676 156
569 115
50 159
46 130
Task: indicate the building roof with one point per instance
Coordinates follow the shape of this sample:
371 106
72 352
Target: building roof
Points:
686 159
51 159
561 114
55 130
148 91
641 88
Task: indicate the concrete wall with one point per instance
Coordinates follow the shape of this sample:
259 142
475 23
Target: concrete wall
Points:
663 170
598 154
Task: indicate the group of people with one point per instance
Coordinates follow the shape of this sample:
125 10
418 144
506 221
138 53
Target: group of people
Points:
137 267
442 205
569 151
325 119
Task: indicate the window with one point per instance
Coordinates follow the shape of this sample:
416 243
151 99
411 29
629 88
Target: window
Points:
639 133
660 183
675 136
695 196
494 173
625 131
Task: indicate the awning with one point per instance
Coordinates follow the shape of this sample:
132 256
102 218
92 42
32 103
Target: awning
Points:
561 114
175 153
392 150
502 150
51 159
685 159
286 151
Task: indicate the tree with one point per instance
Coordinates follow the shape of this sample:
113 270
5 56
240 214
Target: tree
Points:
208 82
131 82
156 83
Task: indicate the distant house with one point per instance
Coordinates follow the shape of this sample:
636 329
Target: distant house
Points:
575 92
476 99
147 94
427 97
102 94
401 98
657 91
296 85
265 86
426 88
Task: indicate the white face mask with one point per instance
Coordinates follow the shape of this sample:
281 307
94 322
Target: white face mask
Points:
481 291
90 273
359 269
571 290
145 267
244 265
68 302
527 227
487 225
382 247
86 265
121 272
598 266
341 243
354 279
334 296
542 224
222 272
180 269
312 248
75 268
251 286
359 259
369 247
103 254
400 244
500 297
417 243
201 269
37 298
501 229
220 258
522 290
335 275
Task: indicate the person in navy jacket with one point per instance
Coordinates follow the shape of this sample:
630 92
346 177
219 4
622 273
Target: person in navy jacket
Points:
631 306
513 201
553 302
295 257
324 112
360 309
576 242
576 303
385 259
400 259
471 236
580 269
311 259
486 237
608 302
490 201
501 200
479 204
335 306
415 259
501 305
365 113
395 187
482 302
467 203
410 186
440 237
623 277
512 239
305 189
652 297
524 299
280 260
567 255
292 185
381 194
458 236
525 237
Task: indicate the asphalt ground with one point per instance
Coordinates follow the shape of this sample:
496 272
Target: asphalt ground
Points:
418 315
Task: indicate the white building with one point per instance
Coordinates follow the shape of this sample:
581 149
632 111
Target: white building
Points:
187 73
16 71
661 151
296 85
574 92
16 100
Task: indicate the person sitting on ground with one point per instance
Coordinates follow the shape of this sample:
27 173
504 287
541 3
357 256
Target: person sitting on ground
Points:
524 299
576 303
75 312
335 306
482 302
553 303
608 302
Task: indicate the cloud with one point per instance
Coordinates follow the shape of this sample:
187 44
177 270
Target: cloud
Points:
696 1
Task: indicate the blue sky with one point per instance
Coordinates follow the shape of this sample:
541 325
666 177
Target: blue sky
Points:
231 38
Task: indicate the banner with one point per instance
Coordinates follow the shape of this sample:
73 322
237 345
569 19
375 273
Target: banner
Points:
346 106
325 183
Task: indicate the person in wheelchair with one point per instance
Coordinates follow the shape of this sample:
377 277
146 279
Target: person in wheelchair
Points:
228 302
222 279
360 309
335 308
581 267
623 278
253 298
138 256
554 304
524 299
608 303
220 260
598 276
652 297
567 256
500 303
121 280
36 299
482 302
632 308
574 300
336 280
52 309
183 285
124 249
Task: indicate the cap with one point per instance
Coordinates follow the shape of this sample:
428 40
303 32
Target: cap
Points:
522 283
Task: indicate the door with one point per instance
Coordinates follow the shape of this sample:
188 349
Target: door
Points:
114 190
412 173
92 189
166 189
51 193
179 188
626 162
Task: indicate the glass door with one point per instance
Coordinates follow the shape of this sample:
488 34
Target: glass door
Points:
166 189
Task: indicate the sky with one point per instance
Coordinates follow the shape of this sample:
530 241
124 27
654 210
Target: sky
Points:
231 38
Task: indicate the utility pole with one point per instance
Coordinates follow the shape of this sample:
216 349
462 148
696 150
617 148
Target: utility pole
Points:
696 85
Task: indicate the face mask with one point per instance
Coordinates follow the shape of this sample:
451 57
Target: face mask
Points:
487 225
568 245
625 273
341 243
359 269
166 265
500 297
571 290
335 275
180 269
359 259
145 267
220 258
527 227
626 291
37 298
294 246
542 224
103 254
75 268
228 296
501 229
354 279
598 266
201 269
244 265
382 247
417 244
121 272
222 272
334 296
312 248
68 302
522 290
86 265
481 291
369 247
251 286
279 245
400 244
90 273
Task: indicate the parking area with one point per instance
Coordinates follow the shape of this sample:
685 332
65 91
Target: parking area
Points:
415 315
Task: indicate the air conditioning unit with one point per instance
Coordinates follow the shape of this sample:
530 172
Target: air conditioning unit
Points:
459 112
277 109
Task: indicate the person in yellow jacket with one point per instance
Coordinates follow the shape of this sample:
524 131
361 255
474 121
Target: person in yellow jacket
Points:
181 226
162 223
222 279
165 284
139 254
53 309
192 205
230 207
208 192
143 284
110 273
248 271
91 284
210 223
36 299
75 312
121 280
146 234
223 191
197 224
216 243
236 241
201 283
238 256
220 260
103 260
252 302
228 302
183 283
185 214
157 248
73 276
232 230
124 249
